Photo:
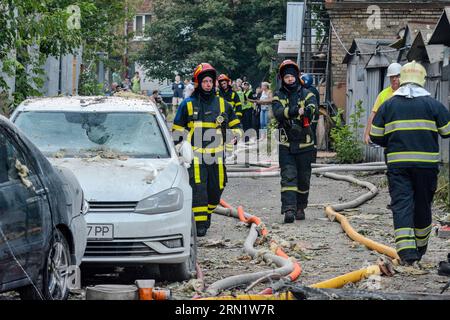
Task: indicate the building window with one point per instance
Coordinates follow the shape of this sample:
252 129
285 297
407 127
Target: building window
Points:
141 21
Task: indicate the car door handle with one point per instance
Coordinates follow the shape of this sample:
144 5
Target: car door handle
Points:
34 199
41 192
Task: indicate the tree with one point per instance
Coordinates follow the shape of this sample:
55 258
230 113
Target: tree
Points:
256 24
102 25
31 31
235 36
34 30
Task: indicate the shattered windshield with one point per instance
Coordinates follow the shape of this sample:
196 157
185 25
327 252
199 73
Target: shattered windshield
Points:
108 135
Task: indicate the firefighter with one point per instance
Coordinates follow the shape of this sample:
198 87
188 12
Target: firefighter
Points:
408 125
294 107
204 119
226 91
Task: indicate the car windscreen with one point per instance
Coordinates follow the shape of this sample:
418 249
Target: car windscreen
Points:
90 134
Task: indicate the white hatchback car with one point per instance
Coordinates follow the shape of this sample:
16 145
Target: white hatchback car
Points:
137 187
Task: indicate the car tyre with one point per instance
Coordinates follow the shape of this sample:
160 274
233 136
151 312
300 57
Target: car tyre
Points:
186 270
52 281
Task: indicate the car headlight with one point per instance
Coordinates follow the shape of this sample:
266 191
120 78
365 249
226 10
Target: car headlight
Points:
85 207
165 201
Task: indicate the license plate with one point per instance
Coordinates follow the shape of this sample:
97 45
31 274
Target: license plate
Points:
100 231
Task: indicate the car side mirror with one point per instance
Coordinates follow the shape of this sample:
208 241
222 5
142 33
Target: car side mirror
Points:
185 153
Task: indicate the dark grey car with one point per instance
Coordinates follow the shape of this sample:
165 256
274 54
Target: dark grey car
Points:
42 226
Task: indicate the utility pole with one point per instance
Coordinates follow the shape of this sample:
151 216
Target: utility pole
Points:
74 75
301 34
125 54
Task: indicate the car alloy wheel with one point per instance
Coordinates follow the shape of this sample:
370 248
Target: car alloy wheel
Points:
58 262
51 283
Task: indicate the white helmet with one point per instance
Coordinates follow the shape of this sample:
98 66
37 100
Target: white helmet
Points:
394 69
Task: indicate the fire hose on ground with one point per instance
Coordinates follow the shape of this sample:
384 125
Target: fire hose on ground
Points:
328 289
337 282
274 172
332 214
289 269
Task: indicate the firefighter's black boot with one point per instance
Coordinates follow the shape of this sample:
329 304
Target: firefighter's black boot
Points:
202 228
300 214
289 216
444 268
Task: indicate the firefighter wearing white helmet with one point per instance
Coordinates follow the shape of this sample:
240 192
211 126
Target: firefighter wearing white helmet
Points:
408 126
393 72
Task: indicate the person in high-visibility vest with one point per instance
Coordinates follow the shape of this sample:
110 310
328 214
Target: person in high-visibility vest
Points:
247 110
203 119
408 126
393 73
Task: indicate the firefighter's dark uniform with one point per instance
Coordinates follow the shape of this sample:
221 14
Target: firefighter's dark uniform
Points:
409 128
203 124
233 99
297 146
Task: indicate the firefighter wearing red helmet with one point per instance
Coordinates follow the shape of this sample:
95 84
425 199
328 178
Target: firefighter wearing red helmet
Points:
226 91
294 107
206 121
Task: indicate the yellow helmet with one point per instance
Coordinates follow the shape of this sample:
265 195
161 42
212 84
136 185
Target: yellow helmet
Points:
413 72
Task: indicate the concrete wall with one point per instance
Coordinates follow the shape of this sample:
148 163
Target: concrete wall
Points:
52 74
70 73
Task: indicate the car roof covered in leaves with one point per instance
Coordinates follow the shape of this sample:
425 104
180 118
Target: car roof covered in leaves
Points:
89 104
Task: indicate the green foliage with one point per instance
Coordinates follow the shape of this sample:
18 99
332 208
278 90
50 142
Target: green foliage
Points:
345 137
5 104
442 197
31 31
89 85
236 37
318 13
102 25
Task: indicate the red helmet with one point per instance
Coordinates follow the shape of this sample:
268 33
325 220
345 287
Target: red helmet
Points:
224 77
287 63
202 68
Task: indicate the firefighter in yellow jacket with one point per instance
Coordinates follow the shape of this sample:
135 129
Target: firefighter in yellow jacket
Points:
206 121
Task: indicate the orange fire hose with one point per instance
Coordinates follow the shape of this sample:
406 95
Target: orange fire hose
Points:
381 248
295 270
254 219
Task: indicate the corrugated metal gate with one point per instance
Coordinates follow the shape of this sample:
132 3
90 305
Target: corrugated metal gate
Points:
373 88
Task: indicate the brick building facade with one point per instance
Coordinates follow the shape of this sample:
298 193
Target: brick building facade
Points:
350 19
143 13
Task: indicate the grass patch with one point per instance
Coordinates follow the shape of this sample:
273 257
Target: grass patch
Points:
441 197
